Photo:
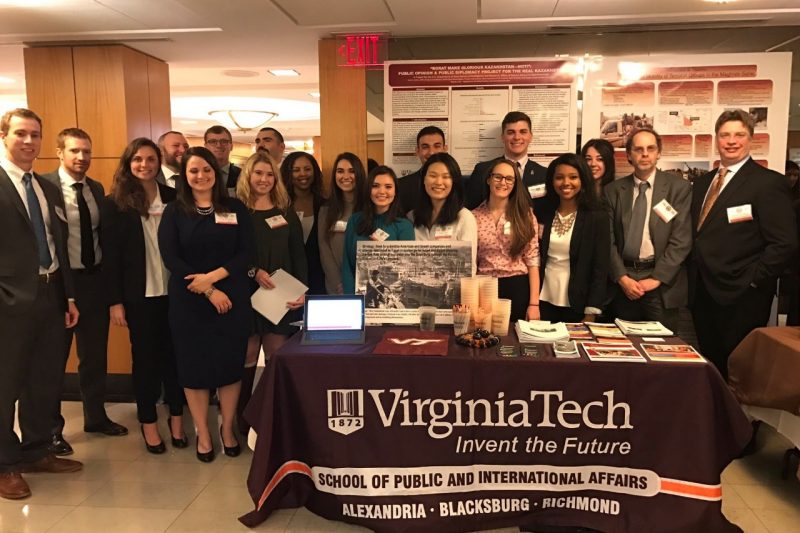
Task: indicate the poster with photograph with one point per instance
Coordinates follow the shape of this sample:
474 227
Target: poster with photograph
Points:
471 98
397 277
681 96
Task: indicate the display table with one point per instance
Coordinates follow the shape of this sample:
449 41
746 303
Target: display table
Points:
474 441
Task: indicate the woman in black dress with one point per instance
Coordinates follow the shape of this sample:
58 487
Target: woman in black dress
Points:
206 240
136 285
279 245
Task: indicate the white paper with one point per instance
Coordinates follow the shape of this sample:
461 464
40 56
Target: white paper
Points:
271 303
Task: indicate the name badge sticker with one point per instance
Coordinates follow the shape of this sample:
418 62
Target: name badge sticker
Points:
156 210
379 235
665 211
507 228
60 214
537 191
443 233
740 213
276 222
226 218
340 226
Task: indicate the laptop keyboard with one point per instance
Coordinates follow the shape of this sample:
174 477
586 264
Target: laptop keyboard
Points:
333 335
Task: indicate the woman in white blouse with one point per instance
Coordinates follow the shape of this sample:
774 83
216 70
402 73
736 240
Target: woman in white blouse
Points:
575 245
441 214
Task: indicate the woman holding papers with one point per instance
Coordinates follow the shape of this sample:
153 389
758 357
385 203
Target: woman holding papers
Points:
575 245
599 156
136 286
206 240
348 182
508 246
279 245
441 214
378 221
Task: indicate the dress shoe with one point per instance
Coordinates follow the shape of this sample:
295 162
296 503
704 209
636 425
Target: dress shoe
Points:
205 457
232 451
53 465
13 487
157 448
112 429
182 442
59 445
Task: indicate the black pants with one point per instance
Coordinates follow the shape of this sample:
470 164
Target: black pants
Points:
518 290
153 358
92 339
720 328
31 371
649 307
555 313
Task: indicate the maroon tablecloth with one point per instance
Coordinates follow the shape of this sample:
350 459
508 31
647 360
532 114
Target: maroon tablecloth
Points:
474 441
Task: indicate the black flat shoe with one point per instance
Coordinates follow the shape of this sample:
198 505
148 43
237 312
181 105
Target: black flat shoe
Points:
232 451
182 442
206 457
110 428
157 449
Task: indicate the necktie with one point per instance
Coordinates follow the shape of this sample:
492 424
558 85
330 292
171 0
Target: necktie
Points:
519 169
37 221
633 240
87 236
713 193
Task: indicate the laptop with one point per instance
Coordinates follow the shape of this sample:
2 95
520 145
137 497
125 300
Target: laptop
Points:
333 319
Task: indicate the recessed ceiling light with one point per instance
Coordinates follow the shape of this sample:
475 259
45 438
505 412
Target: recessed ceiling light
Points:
284 72
314 94
719 1
236 73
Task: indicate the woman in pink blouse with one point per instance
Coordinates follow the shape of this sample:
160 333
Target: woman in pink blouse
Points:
508 247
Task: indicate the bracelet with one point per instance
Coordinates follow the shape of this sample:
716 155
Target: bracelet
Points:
209 292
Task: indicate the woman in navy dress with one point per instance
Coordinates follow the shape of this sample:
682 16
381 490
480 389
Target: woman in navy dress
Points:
206 240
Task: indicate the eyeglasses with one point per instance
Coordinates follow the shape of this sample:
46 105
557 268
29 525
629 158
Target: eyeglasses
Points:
497 178
221 142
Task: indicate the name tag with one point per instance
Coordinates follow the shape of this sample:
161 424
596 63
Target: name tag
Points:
740 213
507 228
60 214
379 235
340 226
665 211
440 232
226 218
276 222
157 210
537 191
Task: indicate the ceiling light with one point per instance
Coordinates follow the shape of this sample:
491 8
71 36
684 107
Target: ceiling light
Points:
719 1
284 72
315 95
243 120
237 73
6 79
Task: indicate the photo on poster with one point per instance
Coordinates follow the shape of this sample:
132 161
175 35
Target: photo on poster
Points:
759 115
688 170
617 128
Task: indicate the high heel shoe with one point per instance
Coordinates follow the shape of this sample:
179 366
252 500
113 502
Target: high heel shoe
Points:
232 451
205 457
182 442
156 449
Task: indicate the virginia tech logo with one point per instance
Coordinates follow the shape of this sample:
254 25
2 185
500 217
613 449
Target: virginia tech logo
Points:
412 341
345 410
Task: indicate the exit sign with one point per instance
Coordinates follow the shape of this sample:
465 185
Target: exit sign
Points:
361 50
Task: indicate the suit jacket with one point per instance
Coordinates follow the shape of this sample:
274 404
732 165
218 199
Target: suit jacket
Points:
672 241
161 178
588 258
124 269
19 258
729 257
233 176
532 174
408 191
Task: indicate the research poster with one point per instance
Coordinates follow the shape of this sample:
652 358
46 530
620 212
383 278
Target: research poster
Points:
681 98
468 100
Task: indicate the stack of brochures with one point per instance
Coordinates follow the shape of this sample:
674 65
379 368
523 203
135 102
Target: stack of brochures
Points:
541 331
645 328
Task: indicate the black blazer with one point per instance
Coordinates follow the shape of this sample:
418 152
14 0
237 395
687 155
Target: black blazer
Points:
408 190
729 257
19 260
532 174
124 256
233 176
589 254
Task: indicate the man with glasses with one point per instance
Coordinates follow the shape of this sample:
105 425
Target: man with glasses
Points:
219 141
172 145
651 236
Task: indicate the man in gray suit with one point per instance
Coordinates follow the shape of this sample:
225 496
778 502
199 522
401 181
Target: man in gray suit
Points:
651 236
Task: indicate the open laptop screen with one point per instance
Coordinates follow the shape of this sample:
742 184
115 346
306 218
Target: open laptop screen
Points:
327 313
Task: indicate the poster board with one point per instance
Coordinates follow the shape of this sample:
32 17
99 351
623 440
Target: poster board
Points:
681 96
397 277
468 100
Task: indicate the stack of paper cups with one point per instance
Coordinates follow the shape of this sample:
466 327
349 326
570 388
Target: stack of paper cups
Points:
487 292
501 315
470 292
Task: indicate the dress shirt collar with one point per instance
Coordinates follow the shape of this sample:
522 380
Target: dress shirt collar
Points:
67 179
168 172
650 179
226 168
733 169
13 171
522 161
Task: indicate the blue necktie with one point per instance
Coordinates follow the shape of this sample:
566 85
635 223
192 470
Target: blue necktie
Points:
35 212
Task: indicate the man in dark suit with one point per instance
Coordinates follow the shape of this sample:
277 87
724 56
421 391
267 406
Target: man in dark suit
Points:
744 237
430 140
219 141
516 135
650 236
80 201
36 302
172 145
